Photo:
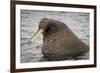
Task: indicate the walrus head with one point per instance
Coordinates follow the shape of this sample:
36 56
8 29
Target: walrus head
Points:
46 26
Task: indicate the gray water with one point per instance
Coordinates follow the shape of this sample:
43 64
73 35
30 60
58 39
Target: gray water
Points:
31 52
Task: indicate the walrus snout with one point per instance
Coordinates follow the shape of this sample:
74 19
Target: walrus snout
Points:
43 23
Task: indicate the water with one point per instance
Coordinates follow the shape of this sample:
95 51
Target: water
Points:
31 52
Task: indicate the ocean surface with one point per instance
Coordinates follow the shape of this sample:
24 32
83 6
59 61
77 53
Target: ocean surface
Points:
31 52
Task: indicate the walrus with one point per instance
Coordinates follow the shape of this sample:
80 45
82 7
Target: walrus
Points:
59 42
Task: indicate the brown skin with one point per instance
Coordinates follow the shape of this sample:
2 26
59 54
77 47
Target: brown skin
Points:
59 42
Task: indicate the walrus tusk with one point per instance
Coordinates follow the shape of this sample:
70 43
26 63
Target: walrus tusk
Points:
35 35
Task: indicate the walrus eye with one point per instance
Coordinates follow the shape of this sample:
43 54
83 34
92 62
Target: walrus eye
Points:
51 28
47 29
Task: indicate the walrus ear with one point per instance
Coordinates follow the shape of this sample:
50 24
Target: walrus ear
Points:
35 35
